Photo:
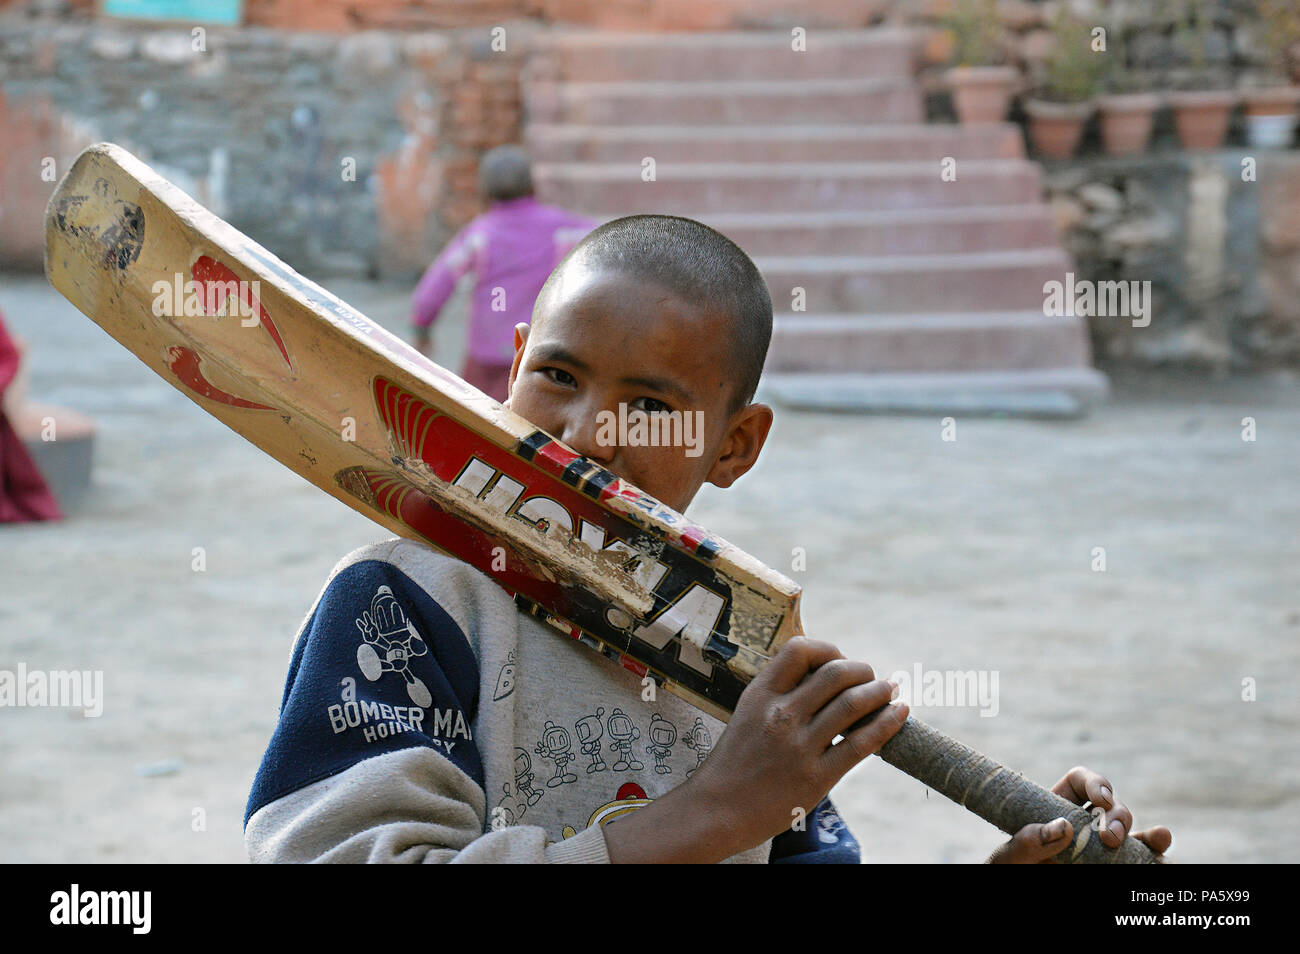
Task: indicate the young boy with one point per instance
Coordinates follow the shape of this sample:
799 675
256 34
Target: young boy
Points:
511 249
483 735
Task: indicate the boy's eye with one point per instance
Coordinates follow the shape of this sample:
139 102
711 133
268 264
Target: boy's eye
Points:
650 405
560 377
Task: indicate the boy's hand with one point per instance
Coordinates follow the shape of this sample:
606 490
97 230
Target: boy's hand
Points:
1039 844
776 756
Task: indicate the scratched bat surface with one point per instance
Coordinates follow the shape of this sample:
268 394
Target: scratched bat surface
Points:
354 410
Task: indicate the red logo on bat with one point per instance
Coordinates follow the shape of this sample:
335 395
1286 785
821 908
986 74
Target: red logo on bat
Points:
214 276
187 366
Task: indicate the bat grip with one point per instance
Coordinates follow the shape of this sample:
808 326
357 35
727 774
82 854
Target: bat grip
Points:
1000 796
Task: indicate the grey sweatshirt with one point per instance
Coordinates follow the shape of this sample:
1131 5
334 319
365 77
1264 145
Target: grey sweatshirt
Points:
426 719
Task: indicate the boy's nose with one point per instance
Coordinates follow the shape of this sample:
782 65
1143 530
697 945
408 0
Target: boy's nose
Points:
581 433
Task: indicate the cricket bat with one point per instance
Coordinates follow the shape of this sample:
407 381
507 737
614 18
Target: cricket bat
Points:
371 421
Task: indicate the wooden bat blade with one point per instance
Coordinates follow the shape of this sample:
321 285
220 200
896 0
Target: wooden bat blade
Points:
354 410
349 407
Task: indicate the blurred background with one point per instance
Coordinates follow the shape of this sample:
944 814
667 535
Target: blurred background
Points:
1097 503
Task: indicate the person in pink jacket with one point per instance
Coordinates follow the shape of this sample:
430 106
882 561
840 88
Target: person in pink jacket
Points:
511 249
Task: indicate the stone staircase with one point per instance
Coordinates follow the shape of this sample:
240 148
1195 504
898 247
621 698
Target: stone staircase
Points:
919 294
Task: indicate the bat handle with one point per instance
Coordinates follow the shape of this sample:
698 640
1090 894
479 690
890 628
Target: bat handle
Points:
1000 796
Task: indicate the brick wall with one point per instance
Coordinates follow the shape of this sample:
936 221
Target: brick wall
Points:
351 15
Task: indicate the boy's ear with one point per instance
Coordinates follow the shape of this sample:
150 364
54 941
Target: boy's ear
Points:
521 339
744 439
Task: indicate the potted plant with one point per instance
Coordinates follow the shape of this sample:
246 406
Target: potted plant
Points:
1201 112
1270 104
1058 112
1127 113
981 88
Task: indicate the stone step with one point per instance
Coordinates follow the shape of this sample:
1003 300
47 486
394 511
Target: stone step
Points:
934 231
599 56
725 102
699 188
903 284
974 341
1046 392
65 461
782 143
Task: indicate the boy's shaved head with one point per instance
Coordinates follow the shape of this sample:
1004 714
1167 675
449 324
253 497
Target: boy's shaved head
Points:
700 266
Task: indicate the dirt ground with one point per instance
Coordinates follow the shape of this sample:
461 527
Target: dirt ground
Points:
973 554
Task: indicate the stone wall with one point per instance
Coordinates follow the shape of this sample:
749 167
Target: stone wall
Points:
351 152
1218 237
345 16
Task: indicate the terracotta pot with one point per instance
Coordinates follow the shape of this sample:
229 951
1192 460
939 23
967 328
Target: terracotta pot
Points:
1270 101
1056 128
1270 115
1202 117
981 94
1126 122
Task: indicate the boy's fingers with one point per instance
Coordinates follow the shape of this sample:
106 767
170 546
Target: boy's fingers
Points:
795 660
868 739
1118 821
1082 784
829 680
1034 844
853 704
1158 839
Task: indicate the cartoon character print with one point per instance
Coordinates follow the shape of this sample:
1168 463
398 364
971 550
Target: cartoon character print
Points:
623 733
662 736
557 746
590 732
700 742
829 826
390 643
524 779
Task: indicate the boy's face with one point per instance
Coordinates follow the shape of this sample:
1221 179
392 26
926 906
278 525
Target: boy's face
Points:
602 338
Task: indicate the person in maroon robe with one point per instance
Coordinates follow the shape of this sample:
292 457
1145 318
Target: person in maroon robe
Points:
24 495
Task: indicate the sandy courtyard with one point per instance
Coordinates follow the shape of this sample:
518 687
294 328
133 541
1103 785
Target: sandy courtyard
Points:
973 554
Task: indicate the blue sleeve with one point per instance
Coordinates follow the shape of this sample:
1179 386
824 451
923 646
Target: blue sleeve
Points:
379 667
825 840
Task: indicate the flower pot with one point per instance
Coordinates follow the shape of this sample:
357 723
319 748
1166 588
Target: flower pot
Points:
1202 117
1126 122
1056 128
981 94
1270 132
1270 116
